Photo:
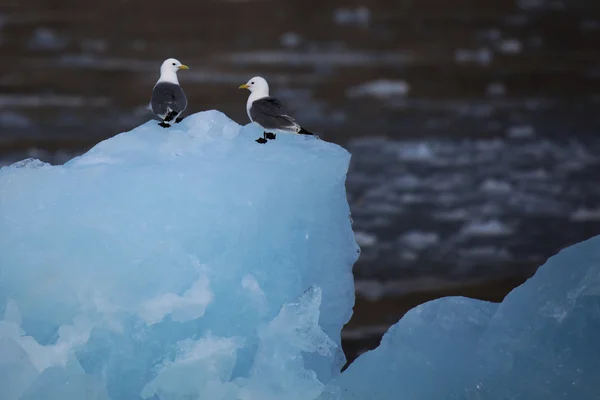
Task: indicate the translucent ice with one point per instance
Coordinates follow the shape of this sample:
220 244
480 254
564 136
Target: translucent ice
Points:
176 264
192 263
542 343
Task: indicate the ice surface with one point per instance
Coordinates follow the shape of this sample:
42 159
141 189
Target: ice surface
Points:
176 264
540 343
193 263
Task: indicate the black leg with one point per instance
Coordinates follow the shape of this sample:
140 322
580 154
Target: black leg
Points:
269 135
164 125
170 116
179 119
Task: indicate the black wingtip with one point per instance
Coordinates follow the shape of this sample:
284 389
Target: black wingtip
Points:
303 131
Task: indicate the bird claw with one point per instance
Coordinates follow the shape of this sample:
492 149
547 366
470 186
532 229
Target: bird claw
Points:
164 125
179 119
261 140
269 135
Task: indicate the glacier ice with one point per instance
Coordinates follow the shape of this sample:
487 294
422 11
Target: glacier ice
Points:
192 263
541 342
175 263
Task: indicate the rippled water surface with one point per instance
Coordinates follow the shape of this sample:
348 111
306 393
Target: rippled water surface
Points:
76 72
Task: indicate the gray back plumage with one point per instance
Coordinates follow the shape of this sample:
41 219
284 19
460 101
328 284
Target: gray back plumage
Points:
271 114
166 95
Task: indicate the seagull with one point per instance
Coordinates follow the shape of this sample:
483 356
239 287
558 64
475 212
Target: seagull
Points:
268 112
168 100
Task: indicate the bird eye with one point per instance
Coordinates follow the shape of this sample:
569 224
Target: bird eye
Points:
252 83
173 63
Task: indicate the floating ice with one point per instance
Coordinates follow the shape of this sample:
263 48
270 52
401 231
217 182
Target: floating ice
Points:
419 240
290 39
482 56
496 89
347 16
486 228
365 239
47 39
494 186
511 46
585 214
521 131
383 89
176 264
192 263
540 343
14 120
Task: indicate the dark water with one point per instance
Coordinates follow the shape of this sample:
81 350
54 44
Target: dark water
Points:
473 125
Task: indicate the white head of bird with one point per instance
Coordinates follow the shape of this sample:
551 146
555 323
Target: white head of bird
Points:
168 70
258 86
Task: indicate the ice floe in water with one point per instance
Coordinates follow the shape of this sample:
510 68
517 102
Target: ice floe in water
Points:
194 263
380 89
540 343
47 39
486 228
177 263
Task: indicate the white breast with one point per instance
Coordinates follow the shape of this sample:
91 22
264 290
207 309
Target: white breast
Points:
248 105
251 99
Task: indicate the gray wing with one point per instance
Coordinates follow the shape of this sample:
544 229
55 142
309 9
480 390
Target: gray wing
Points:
168 96
269 113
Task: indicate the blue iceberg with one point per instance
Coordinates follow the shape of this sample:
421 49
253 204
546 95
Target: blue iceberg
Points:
542 342
174 264
192 263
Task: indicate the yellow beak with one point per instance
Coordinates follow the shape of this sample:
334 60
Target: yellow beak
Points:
244 86
184 67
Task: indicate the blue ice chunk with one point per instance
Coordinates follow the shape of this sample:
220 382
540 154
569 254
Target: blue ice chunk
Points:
178 262
30 163
542 342
195 263
16 371
57 383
